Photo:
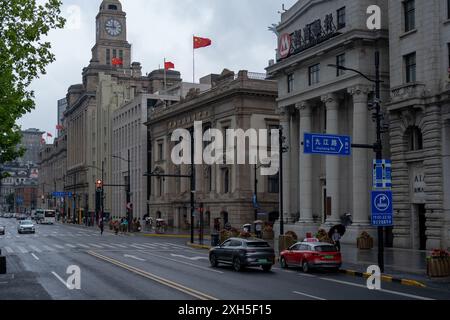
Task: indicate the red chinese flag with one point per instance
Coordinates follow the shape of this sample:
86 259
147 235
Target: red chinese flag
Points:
49 135
201 42
169 65
59 127
117 62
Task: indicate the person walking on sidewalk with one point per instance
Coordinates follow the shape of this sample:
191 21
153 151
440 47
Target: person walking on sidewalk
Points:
336 237
102 226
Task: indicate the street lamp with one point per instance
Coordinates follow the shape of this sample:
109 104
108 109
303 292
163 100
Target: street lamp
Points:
100 190
377 147
283 149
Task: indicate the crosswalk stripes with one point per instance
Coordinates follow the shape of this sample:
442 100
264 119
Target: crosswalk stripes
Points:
48 248
70 245
119 245
83 245
9 249
36 249
107 245
23 250
58 246
95 245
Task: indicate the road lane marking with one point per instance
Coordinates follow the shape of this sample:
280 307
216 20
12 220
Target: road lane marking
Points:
183 262
9 250
95 245
190 258
149 246
119 245
36 249
381 290
34 256
133 257
82 245
23 250
70 246
60 279
137 246
49 248
107 245
308 295
58 246
192 292
176 245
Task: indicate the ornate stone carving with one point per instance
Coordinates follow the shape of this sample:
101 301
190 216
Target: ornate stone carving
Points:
331 101
304 108
359 93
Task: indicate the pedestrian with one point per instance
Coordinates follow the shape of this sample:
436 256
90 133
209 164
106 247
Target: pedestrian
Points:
336 237
116 227
102 226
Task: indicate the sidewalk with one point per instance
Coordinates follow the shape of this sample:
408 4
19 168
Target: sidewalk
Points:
399 263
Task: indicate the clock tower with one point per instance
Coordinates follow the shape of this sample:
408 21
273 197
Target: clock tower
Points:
111 36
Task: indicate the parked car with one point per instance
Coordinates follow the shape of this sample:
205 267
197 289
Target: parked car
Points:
241 253
2 230
312 255
26 226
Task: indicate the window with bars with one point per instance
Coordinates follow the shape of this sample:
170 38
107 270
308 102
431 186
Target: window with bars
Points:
314 74
341 18
409 8
410 67
340 62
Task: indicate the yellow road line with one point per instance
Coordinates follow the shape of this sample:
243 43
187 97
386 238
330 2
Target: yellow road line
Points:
145 274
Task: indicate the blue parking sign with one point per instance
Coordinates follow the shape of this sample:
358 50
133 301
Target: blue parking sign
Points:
382 209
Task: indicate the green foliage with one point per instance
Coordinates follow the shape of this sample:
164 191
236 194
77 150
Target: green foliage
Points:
23 57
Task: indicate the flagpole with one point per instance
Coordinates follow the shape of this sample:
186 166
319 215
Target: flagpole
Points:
193 60
165 87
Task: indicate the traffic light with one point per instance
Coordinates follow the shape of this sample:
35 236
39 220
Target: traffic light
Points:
99 184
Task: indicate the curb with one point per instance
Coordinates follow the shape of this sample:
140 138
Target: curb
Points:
181 236
387 278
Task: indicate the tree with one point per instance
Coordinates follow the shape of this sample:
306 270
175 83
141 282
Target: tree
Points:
23 57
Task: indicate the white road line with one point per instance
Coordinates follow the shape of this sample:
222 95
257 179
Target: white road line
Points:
49 248
9 250
119 245
133 257
95 245
23 250
60 279
308 295
149 245
34 256
58 246
82 245
175 245
190 258
36 249
70 246
382 290
107 245
137 246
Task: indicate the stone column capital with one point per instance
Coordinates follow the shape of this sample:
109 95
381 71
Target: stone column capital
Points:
331 101
359 93
283 112
305 108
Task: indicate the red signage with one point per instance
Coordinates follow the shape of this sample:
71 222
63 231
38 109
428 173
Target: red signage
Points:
284 47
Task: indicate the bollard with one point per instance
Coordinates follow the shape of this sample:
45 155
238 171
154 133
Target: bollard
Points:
2 265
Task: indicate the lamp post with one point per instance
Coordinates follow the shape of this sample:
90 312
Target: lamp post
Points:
283 149
377 147
100 189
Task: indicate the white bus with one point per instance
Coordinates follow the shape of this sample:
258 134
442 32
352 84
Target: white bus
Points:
45 216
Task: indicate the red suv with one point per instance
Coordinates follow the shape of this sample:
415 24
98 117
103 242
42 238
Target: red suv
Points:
312 255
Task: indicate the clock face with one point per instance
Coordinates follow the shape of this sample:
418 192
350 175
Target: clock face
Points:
113 27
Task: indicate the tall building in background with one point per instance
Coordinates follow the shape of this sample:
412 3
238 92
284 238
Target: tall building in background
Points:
31 142
62 106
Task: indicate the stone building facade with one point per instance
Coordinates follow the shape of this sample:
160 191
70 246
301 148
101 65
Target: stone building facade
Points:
109 81
244 100
316 98
419 112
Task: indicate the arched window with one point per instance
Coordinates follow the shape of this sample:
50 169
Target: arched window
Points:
414 137
226 180
112 7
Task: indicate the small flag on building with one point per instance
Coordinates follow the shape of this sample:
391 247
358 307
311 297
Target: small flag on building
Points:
169 65
201 42
116 62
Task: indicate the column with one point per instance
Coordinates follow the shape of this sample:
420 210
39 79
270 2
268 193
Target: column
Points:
285 124
306 164
332 162
360 156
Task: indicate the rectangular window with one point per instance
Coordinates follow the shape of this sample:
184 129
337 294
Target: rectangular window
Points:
340 62
114 53
314 74
410 67
121 54
341 18
409 8
160 152
108 56
290 83
448 9
273 184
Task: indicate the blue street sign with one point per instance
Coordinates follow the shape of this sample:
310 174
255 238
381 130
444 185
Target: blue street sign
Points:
382 174
382 208
327 144
62 194
19 201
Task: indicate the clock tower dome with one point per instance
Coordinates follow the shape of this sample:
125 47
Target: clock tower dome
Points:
111 36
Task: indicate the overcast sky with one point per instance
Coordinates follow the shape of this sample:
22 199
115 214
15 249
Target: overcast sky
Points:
158 29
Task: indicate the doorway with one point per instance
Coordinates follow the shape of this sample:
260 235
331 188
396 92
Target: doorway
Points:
422 220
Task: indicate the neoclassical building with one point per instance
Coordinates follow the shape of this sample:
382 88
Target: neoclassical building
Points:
109 81
419 112
245 100
317 98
